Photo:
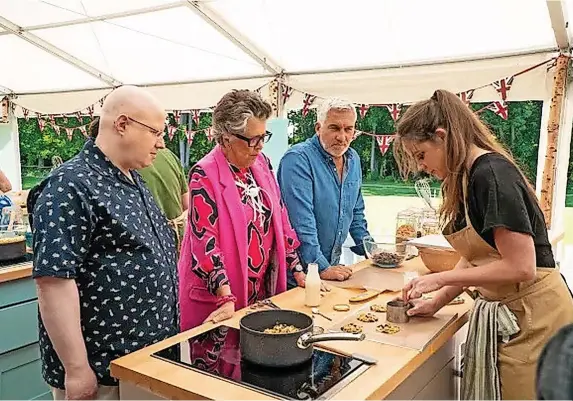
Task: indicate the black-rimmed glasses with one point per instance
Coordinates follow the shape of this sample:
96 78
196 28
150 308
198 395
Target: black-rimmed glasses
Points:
256 140
154 131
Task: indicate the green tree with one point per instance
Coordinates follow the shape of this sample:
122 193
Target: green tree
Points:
519 133
38 147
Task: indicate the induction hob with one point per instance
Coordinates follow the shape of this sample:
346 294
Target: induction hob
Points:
217 353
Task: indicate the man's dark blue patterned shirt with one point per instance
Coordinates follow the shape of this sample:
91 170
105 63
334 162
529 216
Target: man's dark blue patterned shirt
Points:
92 224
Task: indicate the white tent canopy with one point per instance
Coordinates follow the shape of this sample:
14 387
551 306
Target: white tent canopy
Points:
61 56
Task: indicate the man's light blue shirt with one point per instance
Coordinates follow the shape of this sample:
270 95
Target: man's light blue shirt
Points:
322 210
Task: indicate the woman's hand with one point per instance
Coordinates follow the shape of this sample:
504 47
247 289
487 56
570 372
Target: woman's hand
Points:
224 312
300 278
423 307
422 285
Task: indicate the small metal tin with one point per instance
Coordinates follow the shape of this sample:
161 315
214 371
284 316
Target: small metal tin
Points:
396 311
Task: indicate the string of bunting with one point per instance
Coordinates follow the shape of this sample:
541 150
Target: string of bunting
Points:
45 120
498 107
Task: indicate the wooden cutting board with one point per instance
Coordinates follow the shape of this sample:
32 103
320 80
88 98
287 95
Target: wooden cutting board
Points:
373 278
416 334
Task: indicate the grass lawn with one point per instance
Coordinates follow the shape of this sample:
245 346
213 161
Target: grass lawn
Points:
393 188
388 187
30 181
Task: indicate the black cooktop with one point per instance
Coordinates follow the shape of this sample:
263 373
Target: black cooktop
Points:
217 353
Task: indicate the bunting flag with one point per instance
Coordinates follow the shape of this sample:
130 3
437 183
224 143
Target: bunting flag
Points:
177 117
394 110
69 133
41 123
363 109
171 132
101 101
25 112
503 86
307 102
91 111
190 135
196 117
79 115
500 108
209 134
384 142
52 120
466 96
286 92
84 131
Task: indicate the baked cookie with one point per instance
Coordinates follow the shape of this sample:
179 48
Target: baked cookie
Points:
378 308
351 328
367 317
388 328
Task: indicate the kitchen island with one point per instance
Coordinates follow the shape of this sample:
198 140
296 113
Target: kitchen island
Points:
400 373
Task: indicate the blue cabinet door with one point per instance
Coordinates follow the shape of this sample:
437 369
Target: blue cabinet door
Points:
21 375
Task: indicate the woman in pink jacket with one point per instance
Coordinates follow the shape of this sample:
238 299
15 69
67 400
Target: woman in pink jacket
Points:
238 242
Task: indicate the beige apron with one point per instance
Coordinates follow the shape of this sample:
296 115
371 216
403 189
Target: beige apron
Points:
542 306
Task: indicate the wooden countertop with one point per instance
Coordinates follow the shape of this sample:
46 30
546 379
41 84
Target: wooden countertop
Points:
395 364
15 272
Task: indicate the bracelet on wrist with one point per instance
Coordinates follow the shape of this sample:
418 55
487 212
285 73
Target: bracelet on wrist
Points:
224 299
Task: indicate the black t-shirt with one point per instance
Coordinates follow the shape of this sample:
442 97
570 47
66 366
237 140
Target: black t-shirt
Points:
498 196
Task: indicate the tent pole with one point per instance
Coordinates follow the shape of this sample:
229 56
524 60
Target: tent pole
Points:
558 93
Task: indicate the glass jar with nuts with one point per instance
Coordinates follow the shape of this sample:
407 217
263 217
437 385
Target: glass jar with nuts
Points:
406 228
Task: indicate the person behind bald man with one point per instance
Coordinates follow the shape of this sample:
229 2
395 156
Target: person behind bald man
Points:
104 255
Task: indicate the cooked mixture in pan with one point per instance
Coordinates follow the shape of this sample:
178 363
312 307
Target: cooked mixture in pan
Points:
388 328
281 329
378 308
367 317
12 240
351 328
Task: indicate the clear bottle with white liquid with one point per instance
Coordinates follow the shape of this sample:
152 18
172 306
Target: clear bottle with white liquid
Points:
312 286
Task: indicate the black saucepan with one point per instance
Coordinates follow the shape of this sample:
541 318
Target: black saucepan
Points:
14 250
282 350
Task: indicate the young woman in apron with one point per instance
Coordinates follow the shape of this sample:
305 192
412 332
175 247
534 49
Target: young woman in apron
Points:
492 219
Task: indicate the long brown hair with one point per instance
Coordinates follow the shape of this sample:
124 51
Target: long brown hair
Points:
463 128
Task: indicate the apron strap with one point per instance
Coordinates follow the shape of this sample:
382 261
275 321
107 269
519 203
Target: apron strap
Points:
178 222
465 198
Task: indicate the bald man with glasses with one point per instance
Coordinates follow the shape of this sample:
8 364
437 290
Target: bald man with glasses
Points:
104 254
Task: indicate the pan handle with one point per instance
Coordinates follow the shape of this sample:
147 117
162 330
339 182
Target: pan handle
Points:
308 338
